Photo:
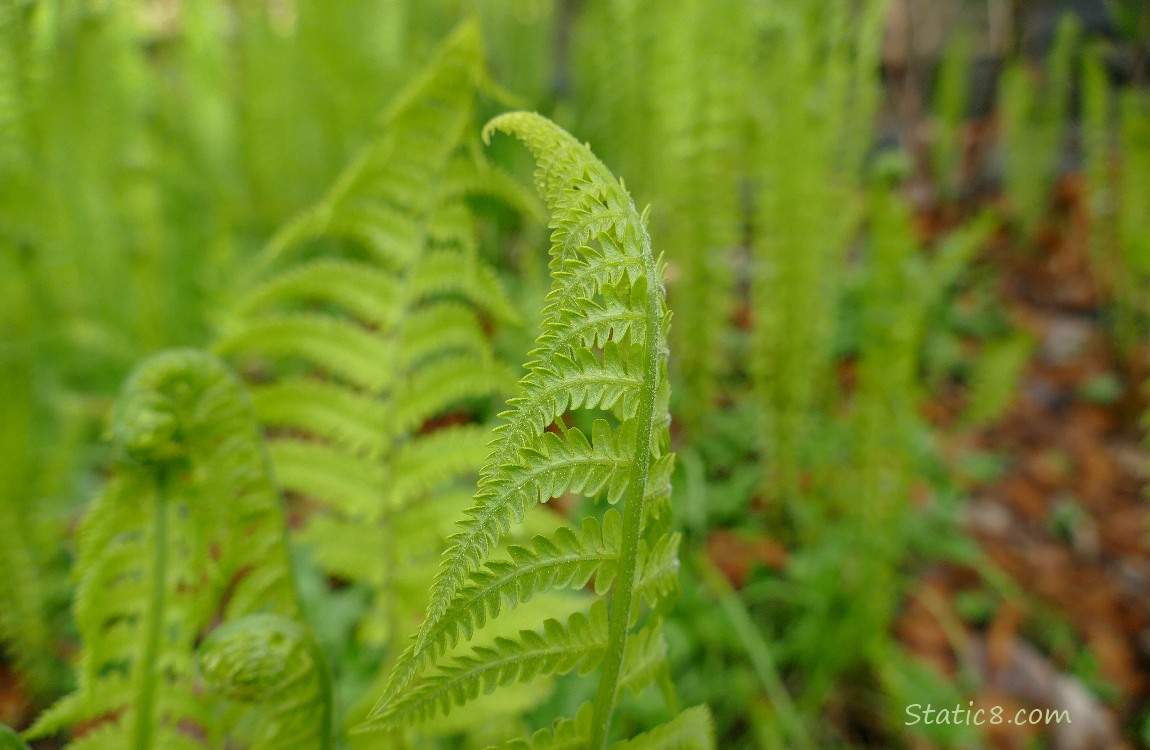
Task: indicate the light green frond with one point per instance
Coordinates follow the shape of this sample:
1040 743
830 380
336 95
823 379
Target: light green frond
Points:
658 570
645 660
324 472
390 236
439 274
576 379
347 549
564 560
602 348
439 386
364 362
421 464
440 327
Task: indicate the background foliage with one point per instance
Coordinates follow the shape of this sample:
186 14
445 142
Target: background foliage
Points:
907 253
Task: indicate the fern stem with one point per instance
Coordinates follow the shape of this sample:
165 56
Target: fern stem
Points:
147 669
622 600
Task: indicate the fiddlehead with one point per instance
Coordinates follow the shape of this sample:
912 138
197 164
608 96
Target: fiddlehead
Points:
275 663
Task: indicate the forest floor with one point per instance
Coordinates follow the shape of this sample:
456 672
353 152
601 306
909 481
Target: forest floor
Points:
1066 518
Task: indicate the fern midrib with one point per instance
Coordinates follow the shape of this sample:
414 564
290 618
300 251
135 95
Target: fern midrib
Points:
146 669
622 599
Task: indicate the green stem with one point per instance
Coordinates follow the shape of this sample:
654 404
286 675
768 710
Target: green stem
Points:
622 601
146 668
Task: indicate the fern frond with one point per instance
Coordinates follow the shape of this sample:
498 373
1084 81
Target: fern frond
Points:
25 586
324 409
351 483
602 347
420 464
188 527
807 203
690 730
275 663
658 570
699 90
369 316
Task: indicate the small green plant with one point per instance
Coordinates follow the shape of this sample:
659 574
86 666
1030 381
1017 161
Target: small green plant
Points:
1117 156
674 114
1033 115
951 102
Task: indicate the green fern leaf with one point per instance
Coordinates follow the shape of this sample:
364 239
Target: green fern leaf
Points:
645 660
368 316
602 347
565 560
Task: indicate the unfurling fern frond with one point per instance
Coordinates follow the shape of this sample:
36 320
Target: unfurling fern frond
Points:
602 349
188 529
371 308
273 662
